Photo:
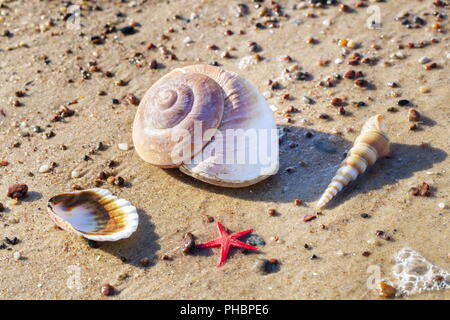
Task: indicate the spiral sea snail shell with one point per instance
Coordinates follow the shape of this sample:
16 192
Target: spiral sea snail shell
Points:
371 144
210 123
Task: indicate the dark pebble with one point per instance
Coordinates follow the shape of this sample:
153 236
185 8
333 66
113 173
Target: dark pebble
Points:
119 181
364 215
403 102
188 243
17 191
107 290
259 25
145 262
99 146
12 241
265 266
128 30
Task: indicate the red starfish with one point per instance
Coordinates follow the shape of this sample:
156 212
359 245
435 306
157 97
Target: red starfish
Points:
226 241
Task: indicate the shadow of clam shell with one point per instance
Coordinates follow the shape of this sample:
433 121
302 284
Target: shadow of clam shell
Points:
142 244
309 160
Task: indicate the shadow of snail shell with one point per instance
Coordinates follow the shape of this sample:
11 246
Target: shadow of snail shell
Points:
371 144
94 214
211 124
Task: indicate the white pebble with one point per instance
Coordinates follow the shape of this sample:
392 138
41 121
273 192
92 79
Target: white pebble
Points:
399 55
441 205
273 108
17 255
267 94
339 253
123 146
75 174
424 60
44 168
351 44
338 61
188 40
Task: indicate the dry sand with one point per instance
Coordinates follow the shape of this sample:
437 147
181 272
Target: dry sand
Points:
170 203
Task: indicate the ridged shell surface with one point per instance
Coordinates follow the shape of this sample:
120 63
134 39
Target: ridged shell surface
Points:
94 214
235 109
371 144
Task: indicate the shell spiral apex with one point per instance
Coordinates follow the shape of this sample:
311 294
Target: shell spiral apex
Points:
371 144
194 118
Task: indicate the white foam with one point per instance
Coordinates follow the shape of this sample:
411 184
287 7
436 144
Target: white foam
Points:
414 274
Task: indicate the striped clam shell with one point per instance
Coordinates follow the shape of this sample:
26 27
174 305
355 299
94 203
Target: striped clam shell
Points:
94 214
371 144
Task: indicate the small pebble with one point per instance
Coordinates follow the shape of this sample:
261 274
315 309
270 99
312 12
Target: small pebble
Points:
128 30
145 262
99 146
75 174
188 243
307 100
400 55
17 255
308 218
44 168
424 60
17 191
265 266
340 253
123 146
386 290
413 115
403 102
107 290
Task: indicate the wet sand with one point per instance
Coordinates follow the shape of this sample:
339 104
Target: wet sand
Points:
170 203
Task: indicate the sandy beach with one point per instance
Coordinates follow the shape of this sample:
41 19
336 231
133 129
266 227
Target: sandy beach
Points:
98 60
